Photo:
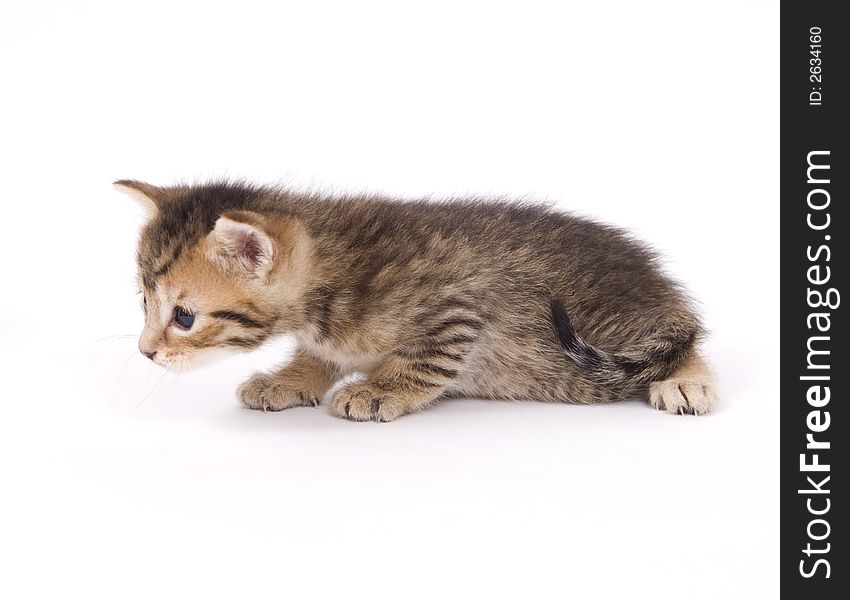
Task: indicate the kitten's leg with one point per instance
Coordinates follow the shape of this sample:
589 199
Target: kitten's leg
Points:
395 388
409 380
691 389
302 382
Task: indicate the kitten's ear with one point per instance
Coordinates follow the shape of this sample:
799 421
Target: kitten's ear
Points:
149 197
239 242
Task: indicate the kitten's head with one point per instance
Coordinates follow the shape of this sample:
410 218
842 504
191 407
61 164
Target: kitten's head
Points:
212 273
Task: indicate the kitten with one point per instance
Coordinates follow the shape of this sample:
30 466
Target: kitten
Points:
429 300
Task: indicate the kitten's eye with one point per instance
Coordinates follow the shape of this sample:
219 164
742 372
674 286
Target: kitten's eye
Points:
183 317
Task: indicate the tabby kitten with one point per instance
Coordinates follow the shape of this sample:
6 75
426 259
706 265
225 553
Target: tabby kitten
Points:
428 299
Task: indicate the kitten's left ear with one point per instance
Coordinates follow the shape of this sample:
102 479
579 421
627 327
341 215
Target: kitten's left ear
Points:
239 242
150 197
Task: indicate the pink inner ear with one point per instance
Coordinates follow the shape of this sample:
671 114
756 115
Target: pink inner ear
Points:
249 247
240 246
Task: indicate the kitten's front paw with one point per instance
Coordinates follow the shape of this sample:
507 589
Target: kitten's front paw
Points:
267 392
362 402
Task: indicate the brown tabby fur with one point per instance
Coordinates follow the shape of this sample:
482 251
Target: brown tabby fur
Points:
427 299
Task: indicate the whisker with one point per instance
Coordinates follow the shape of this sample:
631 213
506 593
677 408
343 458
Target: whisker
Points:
151 370
113 397
108 337
148 395
110 340
173 381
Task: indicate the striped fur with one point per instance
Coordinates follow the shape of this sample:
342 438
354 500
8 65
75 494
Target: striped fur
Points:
427 299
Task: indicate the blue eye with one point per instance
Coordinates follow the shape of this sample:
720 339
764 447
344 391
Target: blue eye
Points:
183 317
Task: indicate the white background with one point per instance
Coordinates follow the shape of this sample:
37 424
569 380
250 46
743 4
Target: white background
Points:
123 481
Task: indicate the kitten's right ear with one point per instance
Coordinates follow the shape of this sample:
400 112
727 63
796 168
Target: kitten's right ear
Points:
150 197
240 244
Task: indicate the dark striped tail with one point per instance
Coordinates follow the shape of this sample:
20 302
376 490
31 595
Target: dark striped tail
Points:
650 363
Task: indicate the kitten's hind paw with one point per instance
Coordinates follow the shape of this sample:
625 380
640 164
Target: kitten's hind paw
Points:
690 390
682 397
266 392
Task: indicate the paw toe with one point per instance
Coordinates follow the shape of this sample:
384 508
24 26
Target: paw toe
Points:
264 392
682 397
358 403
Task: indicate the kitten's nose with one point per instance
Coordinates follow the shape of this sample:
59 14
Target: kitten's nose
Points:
150 355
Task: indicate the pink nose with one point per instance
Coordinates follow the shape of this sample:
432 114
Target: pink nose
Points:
149 354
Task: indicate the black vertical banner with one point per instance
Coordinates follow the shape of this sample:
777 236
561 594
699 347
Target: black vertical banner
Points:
814 172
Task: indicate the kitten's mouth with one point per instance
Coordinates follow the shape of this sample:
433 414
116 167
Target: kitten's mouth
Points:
172 362
198 360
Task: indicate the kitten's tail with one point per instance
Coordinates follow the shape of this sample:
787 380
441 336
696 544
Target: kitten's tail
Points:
652 361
